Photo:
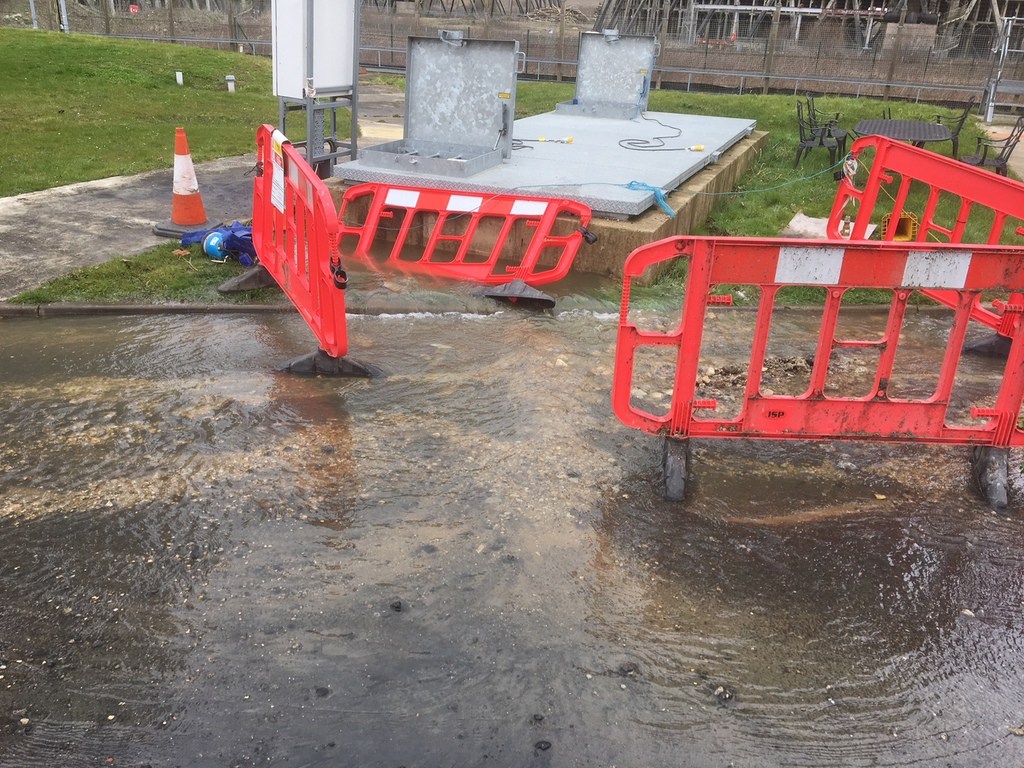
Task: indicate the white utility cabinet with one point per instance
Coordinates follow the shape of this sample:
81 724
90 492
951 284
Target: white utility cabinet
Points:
314 47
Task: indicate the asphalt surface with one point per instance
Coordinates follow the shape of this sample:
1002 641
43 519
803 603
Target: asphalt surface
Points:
46 234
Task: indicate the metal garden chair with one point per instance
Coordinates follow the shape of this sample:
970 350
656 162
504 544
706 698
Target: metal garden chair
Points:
995 153
812 136
829 121
955 123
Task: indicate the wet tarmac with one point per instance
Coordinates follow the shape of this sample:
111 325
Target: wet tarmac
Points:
468 562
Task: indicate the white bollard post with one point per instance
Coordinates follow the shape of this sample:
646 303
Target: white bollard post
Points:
178 78
231 83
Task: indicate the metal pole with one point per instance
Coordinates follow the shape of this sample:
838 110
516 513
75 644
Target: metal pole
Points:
353 135
561 39
64 26
309 91
993 83
35 18
666 7
526 64
773 35
895 54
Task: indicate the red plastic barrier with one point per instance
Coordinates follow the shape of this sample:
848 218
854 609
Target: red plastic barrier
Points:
950 195
457 240
295 233
770 265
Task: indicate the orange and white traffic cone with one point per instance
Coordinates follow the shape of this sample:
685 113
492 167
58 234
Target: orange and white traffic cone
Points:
187 211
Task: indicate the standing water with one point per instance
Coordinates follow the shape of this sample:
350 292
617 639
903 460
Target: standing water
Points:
468 563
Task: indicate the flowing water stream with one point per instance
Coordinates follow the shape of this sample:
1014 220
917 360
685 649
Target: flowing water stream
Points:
468 562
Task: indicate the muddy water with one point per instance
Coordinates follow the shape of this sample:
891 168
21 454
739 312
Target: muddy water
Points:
468 563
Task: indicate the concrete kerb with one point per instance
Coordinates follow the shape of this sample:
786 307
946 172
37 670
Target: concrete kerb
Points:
369 305
61 309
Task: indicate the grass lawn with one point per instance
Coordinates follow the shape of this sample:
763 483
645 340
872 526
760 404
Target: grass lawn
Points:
79 108
166 274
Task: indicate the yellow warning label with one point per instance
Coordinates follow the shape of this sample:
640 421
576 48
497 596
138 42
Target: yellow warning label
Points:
504 95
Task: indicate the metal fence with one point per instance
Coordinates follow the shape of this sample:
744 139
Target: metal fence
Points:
853 54
177 22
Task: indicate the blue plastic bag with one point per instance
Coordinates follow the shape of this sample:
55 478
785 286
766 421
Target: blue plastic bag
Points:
237 241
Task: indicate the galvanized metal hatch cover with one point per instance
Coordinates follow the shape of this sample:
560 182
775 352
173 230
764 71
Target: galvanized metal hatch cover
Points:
461 91
614 75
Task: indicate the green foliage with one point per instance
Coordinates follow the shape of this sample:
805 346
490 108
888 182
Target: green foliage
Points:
772 191
162 275
397 82
538 98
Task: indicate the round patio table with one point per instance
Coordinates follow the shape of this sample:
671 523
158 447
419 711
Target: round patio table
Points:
917 132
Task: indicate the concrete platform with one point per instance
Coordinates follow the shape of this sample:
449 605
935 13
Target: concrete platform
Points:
612 165
690 199
691 203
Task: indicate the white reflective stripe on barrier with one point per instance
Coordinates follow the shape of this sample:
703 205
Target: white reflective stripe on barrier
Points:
817 266
402 198
936 269
529 208
945 269
464 204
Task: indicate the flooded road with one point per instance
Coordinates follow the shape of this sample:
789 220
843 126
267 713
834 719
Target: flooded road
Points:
204 562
